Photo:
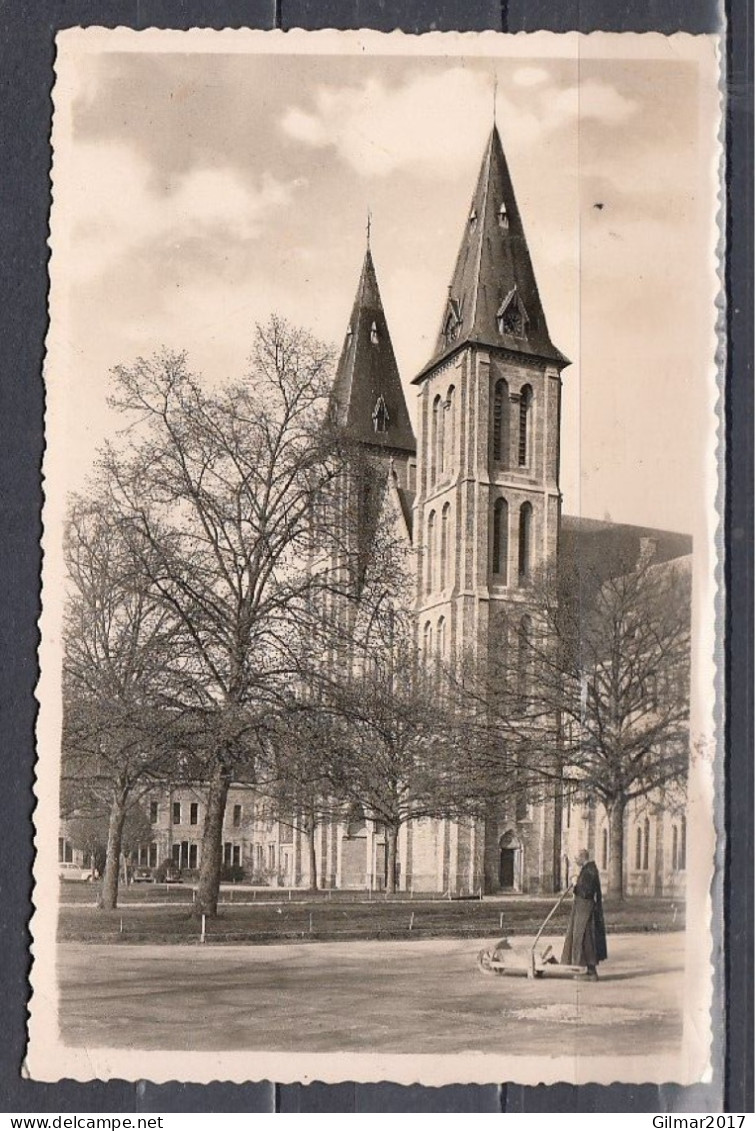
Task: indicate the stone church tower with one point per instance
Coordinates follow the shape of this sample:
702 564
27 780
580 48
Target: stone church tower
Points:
487 509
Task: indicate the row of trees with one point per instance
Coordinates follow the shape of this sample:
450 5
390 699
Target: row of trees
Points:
237 612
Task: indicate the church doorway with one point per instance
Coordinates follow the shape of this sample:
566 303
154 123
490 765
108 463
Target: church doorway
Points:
510 863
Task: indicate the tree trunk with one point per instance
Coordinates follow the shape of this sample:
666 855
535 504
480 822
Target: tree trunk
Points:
109 894
313 856
208 884
616 887
392 835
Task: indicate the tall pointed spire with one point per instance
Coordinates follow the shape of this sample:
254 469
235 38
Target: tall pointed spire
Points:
493 297
368 390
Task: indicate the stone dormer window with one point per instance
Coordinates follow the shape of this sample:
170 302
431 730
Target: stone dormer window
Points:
374 334
503 216
380 416
473 220
452 322
349 333
511 317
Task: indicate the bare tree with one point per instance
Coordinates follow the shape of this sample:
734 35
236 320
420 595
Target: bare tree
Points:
588 690
121 655
392 741
216 493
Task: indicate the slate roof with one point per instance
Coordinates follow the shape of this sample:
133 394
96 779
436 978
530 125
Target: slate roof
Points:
610 549
493 297
368 389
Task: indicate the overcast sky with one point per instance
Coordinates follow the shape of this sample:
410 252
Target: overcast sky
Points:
197 193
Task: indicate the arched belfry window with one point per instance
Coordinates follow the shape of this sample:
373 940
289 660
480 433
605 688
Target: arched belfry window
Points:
500 550
434 438
503 216
500 421
440 438
450 429
374 334
525 547
526 412
430 550
445 545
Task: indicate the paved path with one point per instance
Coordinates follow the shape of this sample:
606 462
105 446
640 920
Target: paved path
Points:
397 997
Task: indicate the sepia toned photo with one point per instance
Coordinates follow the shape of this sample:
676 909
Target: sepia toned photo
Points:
379 724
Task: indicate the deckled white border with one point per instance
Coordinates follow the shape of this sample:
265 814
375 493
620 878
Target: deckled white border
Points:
48 1058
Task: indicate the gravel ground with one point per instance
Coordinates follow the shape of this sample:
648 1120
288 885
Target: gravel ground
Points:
395 997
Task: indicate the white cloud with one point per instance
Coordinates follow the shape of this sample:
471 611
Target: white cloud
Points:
435 124
110 206
425 123
530 76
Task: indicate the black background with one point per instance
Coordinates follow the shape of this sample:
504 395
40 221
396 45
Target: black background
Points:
27 30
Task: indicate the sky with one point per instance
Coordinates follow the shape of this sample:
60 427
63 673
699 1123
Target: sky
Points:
196 192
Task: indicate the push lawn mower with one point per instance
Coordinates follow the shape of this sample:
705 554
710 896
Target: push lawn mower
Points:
503 958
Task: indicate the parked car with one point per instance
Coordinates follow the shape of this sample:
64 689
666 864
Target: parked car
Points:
68 871
142 876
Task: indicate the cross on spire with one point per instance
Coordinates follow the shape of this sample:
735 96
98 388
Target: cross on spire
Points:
368 226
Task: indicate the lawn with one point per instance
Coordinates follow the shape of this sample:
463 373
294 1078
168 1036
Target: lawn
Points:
272 919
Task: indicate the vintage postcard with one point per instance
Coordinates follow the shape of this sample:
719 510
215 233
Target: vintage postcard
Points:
378 730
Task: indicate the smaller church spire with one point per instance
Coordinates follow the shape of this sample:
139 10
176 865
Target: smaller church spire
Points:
367 392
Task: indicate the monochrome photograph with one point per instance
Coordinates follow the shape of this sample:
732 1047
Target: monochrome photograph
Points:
380 730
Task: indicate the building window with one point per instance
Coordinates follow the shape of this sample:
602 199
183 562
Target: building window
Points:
675 849
524 644
526 403
449 430
153 812
374 334
473 219
272 857
445 545
227 853
177 812
500 560
604 849
440 438
503 217
500 421
525 540
441 644
646 842
435 425
683 845
152 858
427 642
237 817
193 813
638 848
429 551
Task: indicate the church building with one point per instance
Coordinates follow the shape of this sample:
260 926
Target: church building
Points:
475 497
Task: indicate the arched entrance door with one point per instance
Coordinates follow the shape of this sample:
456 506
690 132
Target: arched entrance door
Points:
510 862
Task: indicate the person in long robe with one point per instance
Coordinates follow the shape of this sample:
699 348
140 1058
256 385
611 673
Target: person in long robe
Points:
585 941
